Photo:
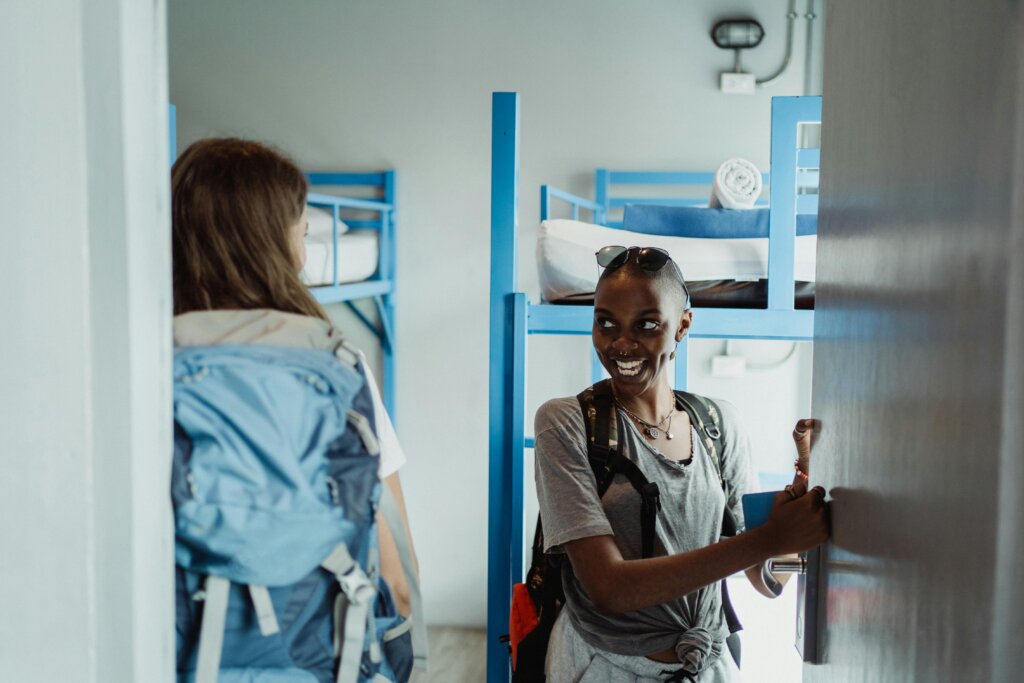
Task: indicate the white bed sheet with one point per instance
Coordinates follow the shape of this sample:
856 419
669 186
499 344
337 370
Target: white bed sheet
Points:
566 248
358 257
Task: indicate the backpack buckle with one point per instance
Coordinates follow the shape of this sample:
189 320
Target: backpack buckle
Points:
651 496
357 587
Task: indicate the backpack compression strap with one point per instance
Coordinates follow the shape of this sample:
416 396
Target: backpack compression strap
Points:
606 460
353 611
211 632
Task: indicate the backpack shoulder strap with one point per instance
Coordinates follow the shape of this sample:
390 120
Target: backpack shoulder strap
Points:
606 460
602 427
707 419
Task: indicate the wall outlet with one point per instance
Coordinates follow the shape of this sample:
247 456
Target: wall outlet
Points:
737 83
728 366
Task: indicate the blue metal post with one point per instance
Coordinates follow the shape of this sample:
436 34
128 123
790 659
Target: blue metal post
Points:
388 254
682 357
334 244
601 190
596 369
518 436
787 114
504 224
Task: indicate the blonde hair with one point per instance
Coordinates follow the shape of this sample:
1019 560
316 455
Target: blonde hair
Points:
233 204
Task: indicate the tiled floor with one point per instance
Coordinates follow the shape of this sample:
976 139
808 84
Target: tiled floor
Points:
457 655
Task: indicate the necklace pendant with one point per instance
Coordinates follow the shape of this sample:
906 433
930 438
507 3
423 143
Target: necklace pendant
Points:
652 432
669 435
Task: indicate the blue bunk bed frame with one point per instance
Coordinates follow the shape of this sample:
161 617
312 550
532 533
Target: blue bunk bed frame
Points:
380 287
605 202
513 318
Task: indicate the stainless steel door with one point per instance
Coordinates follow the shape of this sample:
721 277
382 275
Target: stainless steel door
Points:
917 375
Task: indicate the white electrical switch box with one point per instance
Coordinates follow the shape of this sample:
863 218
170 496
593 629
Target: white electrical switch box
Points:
728 366
737 83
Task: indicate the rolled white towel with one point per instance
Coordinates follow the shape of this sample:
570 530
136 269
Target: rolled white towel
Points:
737 185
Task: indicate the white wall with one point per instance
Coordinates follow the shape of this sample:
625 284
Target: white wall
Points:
85 524
405 84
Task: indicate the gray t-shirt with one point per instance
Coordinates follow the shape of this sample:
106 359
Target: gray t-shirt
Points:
692 504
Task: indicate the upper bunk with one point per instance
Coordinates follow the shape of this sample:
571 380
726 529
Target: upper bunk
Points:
350 253
771 247
350 248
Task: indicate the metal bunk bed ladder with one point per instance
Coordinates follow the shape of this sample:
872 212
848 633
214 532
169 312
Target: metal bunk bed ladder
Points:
514 318
380 288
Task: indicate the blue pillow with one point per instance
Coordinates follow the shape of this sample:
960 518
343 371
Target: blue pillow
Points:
692 221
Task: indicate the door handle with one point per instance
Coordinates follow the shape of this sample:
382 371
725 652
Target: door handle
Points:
788 565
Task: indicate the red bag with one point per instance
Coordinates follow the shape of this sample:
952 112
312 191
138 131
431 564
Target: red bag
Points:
522 618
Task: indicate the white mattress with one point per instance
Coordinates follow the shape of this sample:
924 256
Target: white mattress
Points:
567 267
358 257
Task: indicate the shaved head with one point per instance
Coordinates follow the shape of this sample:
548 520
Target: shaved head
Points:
667 281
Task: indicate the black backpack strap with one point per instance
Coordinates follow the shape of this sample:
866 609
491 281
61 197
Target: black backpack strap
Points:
537 555
606 460
602 425
707 418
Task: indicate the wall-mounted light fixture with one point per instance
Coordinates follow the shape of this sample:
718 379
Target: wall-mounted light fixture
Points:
737 35
745 33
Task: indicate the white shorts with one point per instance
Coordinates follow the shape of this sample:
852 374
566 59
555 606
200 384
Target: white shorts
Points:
571 659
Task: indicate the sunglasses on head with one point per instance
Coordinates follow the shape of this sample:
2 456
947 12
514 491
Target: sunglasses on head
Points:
648 258
651 259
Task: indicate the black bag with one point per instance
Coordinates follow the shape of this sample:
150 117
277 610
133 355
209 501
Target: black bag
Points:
543 587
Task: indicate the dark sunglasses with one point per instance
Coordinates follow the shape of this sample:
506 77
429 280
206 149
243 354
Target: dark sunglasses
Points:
651 259
648 258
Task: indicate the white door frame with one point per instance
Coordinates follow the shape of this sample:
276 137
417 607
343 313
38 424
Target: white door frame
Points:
85 399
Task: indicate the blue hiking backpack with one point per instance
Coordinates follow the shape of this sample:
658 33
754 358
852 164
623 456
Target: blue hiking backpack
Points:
275 488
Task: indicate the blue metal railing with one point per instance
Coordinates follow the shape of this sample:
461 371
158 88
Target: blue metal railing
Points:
549 193
381 286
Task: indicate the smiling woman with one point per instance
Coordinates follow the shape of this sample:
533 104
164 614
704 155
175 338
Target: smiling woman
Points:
641 290
642 528
647 298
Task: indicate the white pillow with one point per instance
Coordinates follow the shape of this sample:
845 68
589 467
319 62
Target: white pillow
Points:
320 221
